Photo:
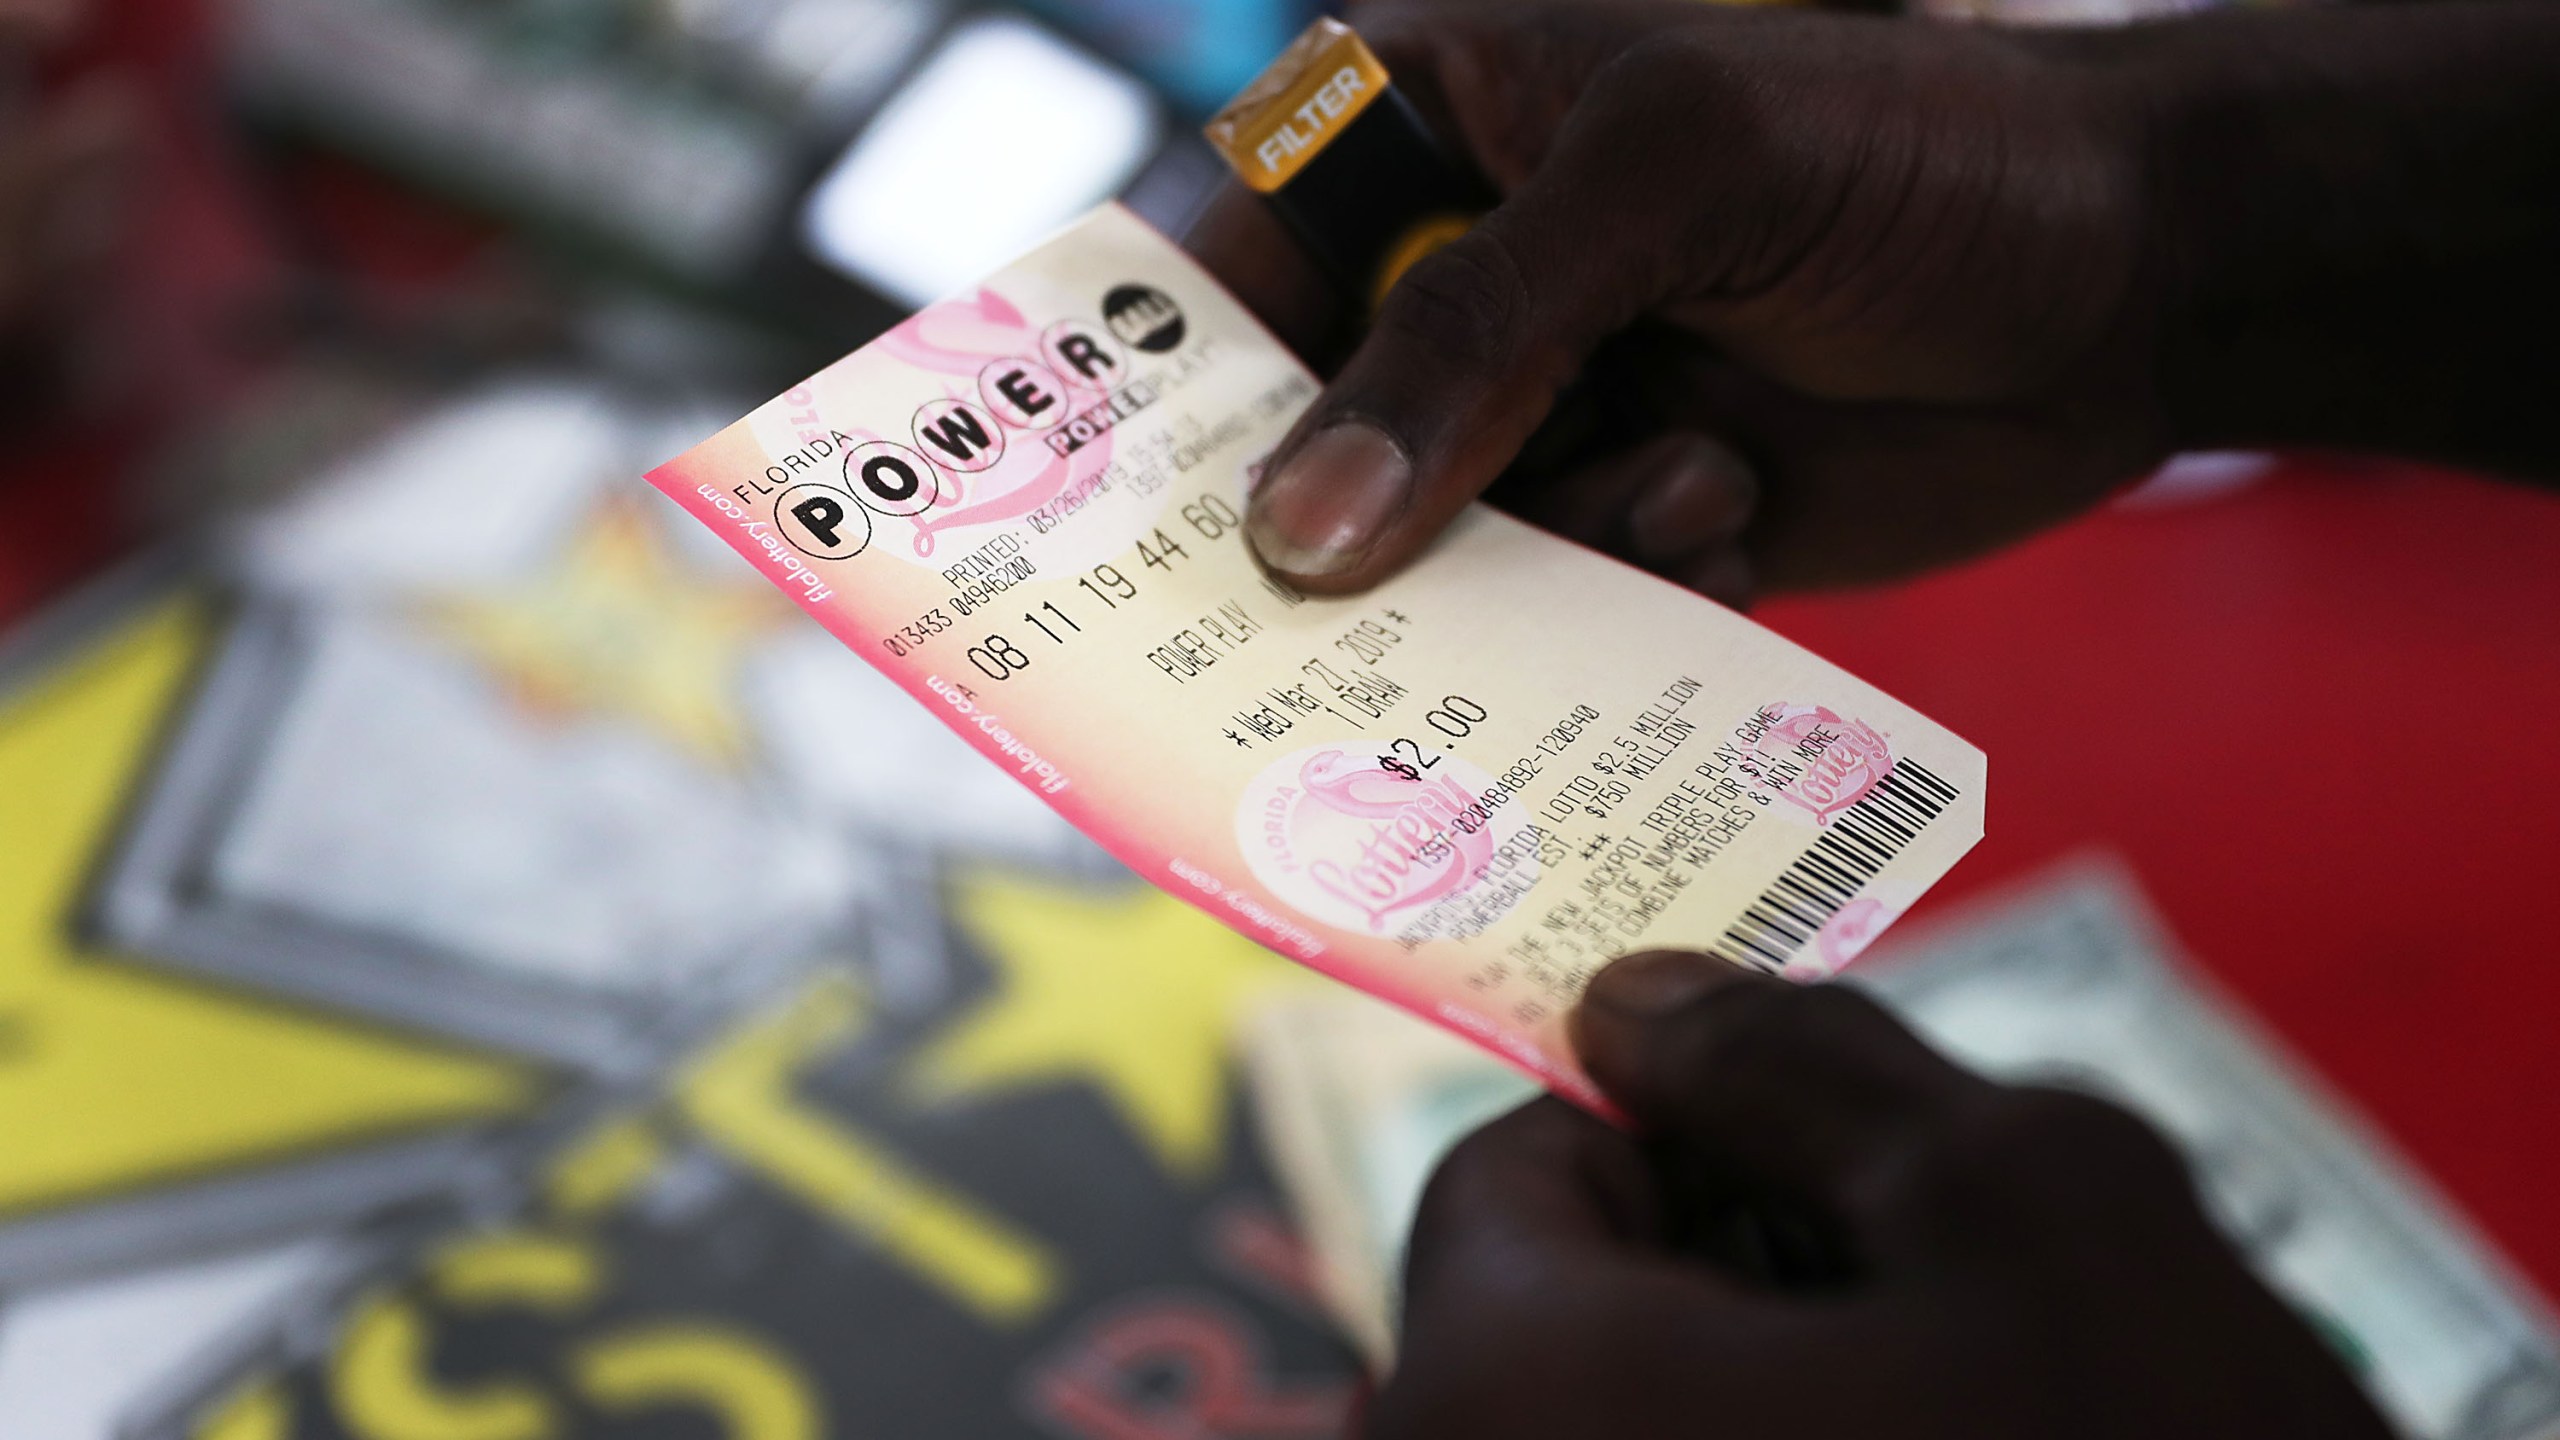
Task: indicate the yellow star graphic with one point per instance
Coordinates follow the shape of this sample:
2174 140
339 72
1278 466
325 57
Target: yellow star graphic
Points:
117 1079
618 626
1130 991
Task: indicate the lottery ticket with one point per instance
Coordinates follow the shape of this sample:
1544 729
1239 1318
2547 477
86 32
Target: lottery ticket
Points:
1463 791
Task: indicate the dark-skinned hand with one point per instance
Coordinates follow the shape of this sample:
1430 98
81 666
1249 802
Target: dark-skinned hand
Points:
1862 248
1898 292
2003 1263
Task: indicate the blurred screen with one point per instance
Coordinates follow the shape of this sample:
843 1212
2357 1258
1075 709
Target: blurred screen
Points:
1005 133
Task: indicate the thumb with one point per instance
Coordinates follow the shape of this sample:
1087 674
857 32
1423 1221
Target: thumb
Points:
1814 1090
1463 363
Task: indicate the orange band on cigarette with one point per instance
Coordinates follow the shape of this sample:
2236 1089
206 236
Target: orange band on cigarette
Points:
1293 109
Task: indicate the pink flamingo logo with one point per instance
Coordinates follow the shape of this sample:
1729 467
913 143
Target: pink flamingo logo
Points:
1389 870
957 339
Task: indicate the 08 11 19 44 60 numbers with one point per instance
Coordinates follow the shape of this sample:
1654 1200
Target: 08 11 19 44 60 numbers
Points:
1108 586
999 658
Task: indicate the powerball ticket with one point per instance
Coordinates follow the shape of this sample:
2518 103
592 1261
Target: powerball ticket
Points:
1464 791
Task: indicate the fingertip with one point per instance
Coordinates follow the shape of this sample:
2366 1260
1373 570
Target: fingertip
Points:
1700 493
1321 515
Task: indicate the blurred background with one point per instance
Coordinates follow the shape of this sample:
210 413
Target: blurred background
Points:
384 1052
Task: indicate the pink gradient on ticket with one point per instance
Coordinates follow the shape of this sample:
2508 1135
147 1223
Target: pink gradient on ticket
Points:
1022 505
1367 963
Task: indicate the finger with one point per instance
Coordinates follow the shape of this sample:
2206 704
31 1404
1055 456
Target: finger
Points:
1542 1187
1463 363
1659 503
1855 493
1726 574
1675 505
1529 1187
1811 1089
1239 240
1538 1286
1695 497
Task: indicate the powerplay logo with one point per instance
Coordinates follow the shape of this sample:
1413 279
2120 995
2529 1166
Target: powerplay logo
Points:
1069 385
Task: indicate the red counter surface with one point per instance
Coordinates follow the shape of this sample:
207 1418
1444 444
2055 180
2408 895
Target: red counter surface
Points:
2317 718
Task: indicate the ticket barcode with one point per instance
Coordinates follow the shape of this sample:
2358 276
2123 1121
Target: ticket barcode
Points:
1853 849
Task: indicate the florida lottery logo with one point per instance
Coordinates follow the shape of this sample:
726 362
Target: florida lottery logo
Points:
1833 762
1363 841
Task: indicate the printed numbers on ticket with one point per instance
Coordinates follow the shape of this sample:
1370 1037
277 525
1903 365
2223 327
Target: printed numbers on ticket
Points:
1464 791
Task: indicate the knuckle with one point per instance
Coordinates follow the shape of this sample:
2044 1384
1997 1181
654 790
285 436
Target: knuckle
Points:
1463 304
1665 65
1665 91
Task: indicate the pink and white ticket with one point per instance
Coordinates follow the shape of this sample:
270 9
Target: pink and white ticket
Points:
1464 791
